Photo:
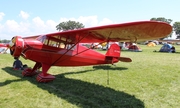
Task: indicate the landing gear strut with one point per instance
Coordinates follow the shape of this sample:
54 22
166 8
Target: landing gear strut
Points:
41 77
29 72
44 76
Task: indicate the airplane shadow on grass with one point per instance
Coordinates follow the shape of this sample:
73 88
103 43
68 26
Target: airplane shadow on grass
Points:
81 93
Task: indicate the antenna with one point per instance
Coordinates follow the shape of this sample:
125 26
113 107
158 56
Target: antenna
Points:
107 76
107 68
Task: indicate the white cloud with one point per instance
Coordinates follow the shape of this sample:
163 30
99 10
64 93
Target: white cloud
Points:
1 27
105 21
37 26
38 22
40 26
1 15
12 26
24 15
89 21
9 29
51 25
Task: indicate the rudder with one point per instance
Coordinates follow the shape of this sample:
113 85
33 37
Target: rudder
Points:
113 51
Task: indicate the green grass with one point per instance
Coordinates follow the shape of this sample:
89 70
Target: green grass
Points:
152 80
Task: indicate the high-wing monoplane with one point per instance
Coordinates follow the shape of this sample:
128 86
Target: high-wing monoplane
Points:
66 49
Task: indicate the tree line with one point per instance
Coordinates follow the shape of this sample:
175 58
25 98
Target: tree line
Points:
4 41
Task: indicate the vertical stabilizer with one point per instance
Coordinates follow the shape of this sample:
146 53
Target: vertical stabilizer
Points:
113 55
113 51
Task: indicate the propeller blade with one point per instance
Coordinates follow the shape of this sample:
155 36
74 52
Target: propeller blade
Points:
6 50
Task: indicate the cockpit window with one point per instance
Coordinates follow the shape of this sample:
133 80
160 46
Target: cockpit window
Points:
42 39
56 41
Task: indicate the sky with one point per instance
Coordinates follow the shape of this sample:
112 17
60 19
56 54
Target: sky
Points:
35 17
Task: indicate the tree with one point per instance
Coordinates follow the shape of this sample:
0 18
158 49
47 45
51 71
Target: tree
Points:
162 19
69 25
4 41
176 28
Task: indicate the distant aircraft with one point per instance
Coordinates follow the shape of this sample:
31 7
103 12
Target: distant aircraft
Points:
65 48
3 48
169 41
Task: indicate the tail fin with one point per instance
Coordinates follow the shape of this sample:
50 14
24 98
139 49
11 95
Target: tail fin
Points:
113 51
113 55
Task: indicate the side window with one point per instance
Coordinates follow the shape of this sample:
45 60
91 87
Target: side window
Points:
42 39
62 45
69 46
57 41
45 42
52 43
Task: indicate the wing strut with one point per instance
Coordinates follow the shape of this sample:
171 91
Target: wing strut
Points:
71 47
107 46
84 50
77 47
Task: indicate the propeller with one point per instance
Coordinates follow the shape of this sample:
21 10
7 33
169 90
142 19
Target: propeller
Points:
16 46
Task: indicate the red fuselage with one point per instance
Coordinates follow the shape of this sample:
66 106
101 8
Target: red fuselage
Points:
78 55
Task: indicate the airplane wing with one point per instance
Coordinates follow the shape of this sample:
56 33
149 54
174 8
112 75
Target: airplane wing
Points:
31 37
133 31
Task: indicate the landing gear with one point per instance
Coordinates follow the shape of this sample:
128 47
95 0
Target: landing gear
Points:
41 77
45 78
31 72
28 72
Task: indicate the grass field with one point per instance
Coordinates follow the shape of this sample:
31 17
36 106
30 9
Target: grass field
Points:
152 80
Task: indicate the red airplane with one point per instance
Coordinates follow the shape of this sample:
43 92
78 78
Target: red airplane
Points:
65 48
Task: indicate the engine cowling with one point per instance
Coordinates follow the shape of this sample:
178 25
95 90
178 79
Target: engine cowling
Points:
17 45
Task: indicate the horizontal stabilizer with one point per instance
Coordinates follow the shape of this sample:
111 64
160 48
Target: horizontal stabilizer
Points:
125 59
